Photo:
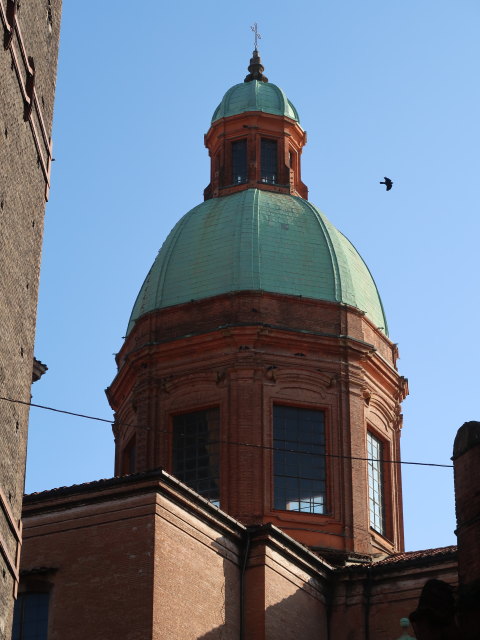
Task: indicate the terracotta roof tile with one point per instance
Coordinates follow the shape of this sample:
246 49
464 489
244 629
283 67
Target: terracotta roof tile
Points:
92 485
417 556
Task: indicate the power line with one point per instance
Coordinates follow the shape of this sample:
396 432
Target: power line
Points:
333 455
229 442
68 413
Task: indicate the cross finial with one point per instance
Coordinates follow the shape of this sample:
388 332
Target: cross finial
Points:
256 67
258 37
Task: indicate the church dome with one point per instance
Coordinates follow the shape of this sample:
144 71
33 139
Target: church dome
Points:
255 240
255 95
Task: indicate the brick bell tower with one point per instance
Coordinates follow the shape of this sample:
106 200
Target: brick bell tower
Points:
257 366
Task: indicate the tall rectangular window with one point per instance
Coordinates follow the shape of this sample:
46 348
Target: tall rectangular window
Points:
239 162
268 161
299 459
196 451
30 616
375 484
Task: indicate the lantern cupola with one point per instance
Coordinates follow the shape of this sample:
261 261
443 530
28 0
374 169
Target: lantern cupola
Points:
255 139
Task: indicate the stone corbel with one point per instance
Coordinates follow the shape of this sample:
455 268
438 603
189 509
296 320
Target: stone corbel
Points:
367 354
403 388
328 379
270 373
166 384
367 395
116 429
221 377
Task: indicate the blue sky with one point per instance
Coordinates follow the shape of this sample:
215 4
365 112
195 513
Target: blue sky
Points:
381 88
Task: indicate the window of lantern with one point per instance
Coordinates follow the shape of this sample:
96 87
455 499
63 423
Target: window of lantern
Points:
239 162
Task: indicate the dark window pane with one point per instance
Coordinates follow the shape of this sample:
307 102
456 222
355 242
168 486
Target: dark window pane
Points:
30 617
299 459
196 452
239 161
268 161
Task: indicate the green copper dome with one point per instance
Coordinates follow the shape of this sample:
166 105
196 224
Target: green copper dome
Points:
255 96
261 241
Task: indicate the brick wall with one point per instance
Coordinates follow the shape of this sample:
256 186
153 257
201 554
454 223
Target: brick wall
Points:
196 581
245 353
135 558
142 557
368 602
97 559
294 593
23 188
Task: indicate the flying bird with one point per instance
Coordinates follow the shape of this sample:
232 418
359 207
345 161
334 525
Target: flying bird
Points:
387 182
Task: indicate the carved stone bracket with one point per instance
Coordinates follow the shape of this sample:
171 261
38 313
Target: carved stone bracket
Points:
116 429
367 355
367 395
166 384
270 373
221 376
403 388
328 379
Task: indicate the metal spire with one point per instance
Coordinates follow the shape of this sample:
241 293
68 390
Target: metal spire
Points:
256 67
258 37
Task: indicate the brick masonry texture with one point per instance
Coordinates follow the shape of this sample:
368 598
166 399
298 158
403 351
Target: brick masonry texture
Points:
116 551
22 205
150 559
245 353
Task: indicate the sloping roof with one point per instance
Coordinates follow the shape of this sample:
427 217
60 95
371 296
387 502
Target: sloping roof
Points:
418 557
333 561
94 485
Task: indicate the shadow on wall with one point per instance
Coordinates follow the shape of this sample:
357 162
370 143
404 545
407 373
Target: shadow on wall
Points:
283 620
231 603
299 615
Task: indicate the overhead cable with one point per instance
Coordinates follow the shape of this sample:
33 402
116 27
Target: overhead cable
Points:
227 442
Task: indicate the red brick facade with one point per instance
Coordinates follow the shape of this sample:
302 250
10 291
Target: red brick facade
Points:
29 34
245 353
143 557
252 127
